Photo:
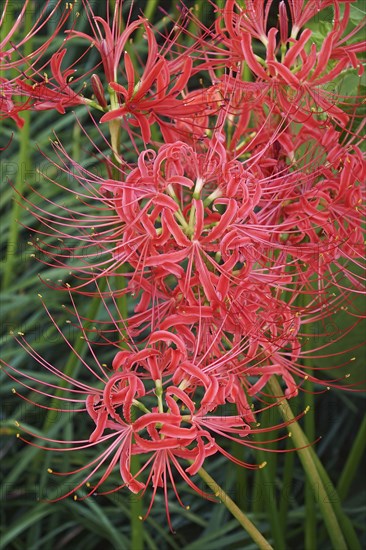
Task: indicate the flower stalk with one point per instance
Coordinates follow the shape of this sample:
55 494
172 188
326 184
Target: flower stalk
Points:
242 518
306 457
24 160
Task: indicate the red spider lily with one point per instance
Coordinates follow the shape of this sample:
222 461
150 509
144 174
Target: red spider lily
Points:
177 430
333 48
158 402
162 102
8 107
176 271
55 93
253 18
139 100
108 37
297 81
167 211
234 234
146 97
17 56
11 45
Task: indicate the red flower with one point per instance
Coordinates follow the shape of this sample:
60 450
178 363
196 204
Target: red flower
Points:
8 107
145 97
18 56
144 102
12 54
158 403
54 93
297 80
231 236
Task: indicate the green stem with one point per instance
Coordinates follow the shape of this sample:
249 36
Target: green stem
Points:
311 470
244 521
240 474
344 521
309 428
136 502
288 471
23 167
265 481
159 395
353 461
136 506
137 531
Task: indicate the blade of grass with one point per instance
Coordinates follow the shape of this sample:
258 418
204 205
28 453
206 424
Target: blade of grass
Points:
149 12
353 461
241 477
288 472
23 167
35 515
333 497
266 481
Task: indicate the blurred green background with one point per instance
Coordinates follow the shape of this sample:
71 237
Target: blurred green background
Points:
276 498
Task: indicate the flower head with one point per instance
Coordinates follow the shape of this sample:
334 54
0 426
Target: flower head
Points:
236 227
159 402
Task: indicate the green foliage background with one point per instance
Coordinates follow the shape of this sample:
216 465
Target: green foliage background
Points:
274 498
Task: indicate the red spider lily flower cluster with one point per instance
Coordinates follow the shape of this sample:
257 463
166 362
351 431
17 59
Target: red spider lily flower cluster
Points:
22 90
162 402
238 225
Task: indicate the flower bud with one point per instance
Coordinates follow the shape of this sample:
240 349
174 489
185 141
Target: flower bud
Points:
98 90
283 22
